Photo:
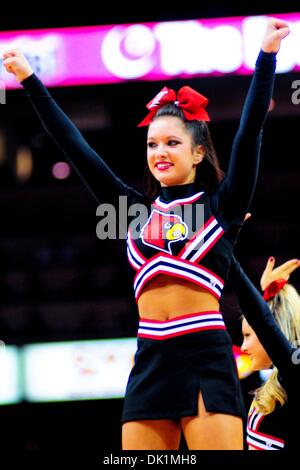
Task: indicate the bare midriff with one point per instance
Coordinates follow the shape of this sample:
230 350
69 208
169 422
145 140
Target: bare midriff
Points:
165 297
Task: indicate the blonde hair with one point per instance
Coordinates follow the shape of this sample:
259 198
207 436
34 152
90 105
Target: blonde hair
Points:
286 310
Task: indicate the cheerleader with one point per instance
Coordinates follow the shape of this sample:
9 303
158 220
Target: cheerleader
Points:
184 378
271 331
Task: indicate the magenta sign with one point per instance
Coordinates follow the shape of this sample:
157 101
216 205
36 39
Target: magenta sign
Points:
149 51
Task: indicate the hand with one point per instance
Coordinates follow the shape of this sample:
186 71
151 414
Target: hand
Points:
247 216
15 62
275 32
281 272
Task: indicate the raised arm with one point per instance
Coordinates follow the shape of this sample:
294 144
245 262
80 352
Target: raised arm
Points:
234 194
260 317
89 165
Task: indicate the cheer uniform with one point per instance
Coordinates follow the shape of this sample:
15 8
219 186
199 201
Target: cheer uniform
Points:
278 430
267 432
177 358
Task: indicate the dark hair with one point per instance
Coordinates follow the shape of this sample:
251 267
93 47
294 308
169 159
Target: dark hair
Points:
208 172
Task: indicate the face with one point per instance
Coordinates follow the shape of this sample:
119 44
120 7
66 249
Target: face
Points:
252 346
172 157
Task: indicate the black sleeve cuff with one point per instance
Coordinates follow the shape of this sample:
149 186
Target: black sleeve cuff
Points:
34 86
266 59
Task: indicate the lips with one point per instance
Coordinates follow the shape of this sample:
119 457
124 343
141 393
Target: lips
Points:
162 166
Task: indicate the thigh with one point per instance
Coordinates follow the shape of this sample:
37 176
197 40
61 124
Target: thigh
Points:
212 431
160 434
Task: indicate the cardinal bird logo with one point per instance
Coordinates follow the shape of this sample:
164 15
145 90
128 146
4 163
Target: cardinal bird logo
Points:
161 230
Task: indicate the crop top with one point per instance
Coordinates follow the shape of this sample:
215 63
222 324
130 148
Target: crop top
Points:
182 236
201 255
278 430
267 432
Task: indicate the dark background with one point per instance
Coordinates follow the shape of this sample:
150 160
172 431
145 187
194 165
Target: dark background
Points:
57 280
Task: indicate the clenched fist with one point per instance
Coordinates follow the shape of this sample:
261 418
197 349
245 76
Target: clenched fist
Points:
276 31
15 62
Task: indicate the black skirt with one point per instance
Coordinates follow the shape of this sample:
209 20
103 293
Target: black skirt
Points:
169 374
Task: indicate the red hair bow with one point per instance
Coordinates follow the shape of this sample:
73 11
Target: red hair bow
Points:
191 102
272 289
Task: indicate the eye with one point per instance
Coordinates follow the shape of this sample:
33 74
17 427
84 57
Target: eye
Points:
173 142
150 145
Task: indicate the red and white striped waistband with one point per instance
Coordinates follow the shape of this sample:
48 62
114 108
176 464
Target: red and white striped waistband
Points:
182 325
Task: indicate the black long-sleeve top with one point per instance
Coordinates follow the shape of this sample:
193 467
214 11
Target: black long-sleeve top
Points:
284 355
233 195
225 207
